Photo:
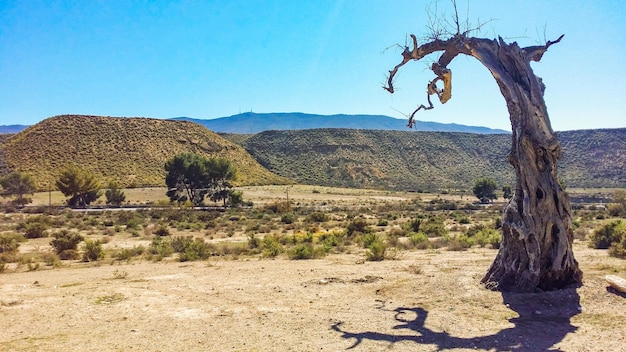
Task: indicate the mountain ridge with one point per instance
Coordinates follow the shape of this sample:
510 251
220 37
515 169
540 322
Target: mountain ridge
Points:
251 123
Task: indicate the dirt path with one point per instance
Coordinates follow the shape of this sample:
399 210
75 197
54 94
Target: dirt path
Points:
425 301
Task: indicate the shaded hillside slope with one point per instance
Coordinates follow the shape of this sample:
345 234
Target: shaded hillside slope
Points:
382 159
594 158
132 151
427 160
250 123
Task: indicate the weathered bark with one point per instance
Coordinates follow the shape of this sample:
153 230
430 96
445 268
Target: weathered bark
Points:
536 251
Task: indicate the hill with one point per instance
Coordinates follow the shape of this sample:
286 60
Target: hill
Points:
427 160
132 151
250 123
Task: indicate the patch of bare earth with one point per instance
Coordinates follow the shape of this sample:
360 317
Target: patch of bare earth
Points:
424 301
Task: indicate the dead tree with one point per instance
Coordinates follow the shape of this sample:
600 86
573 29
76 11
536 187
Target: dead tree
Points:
536 250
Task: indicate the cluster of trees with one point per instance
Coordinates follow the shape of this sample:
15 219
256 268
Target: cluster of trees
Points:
485 190
190 177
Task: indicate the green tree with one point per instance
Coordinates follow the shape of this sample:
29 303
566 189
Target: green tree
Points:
192 177
114 195
80 185
221 172
485 189
18 184
507 192
186 178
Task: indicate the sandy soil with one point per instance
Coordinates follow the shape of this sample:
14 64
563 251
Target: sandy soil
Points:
424 301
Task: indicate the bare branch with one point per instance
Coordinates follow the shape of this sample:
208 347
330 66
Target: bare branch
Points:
456 17
535 53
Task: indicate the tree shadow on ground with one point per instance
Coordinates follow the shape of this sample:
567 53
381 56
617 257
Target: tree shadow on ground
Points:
543 321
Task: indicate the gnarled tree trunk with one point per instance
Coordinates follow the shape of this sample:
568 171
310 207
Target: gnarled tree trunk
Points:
536 250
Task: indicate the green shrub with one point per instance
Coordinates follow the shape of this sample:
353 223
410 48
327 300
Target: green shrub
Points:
35 230
316 217
10 242
271 247
357 225
618 249
434 229
367 239
254 242
306 251
376 250
413 225
329 240
608 234
460 243
288 218
162 231
419 240
65 244
302 251
93 251
160 248
488 237
190 249
128 253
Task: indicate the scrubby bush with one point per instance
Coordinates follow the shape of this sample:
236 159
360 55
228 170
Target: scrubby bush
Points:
317 216
329 240
488 237
419 240
278 207
357 226
162 231
302 251
65 244
128 253
159 248
367 239
618 249
35 230
10 242
397 232
306 251
92 251
191 249
434 229
460 243
254 242
413 225
607 234
271 247
376 250
288 218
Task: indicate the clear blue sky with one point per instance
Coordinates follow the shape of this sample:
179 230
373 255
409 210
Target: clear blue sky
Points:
208 59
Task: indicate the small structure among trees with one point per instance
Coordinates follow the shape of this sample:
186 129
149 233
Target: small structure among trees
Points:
192 177
536 251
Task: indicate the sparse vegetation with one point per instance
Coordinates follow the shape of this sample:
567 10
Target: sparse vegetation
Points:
302 230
